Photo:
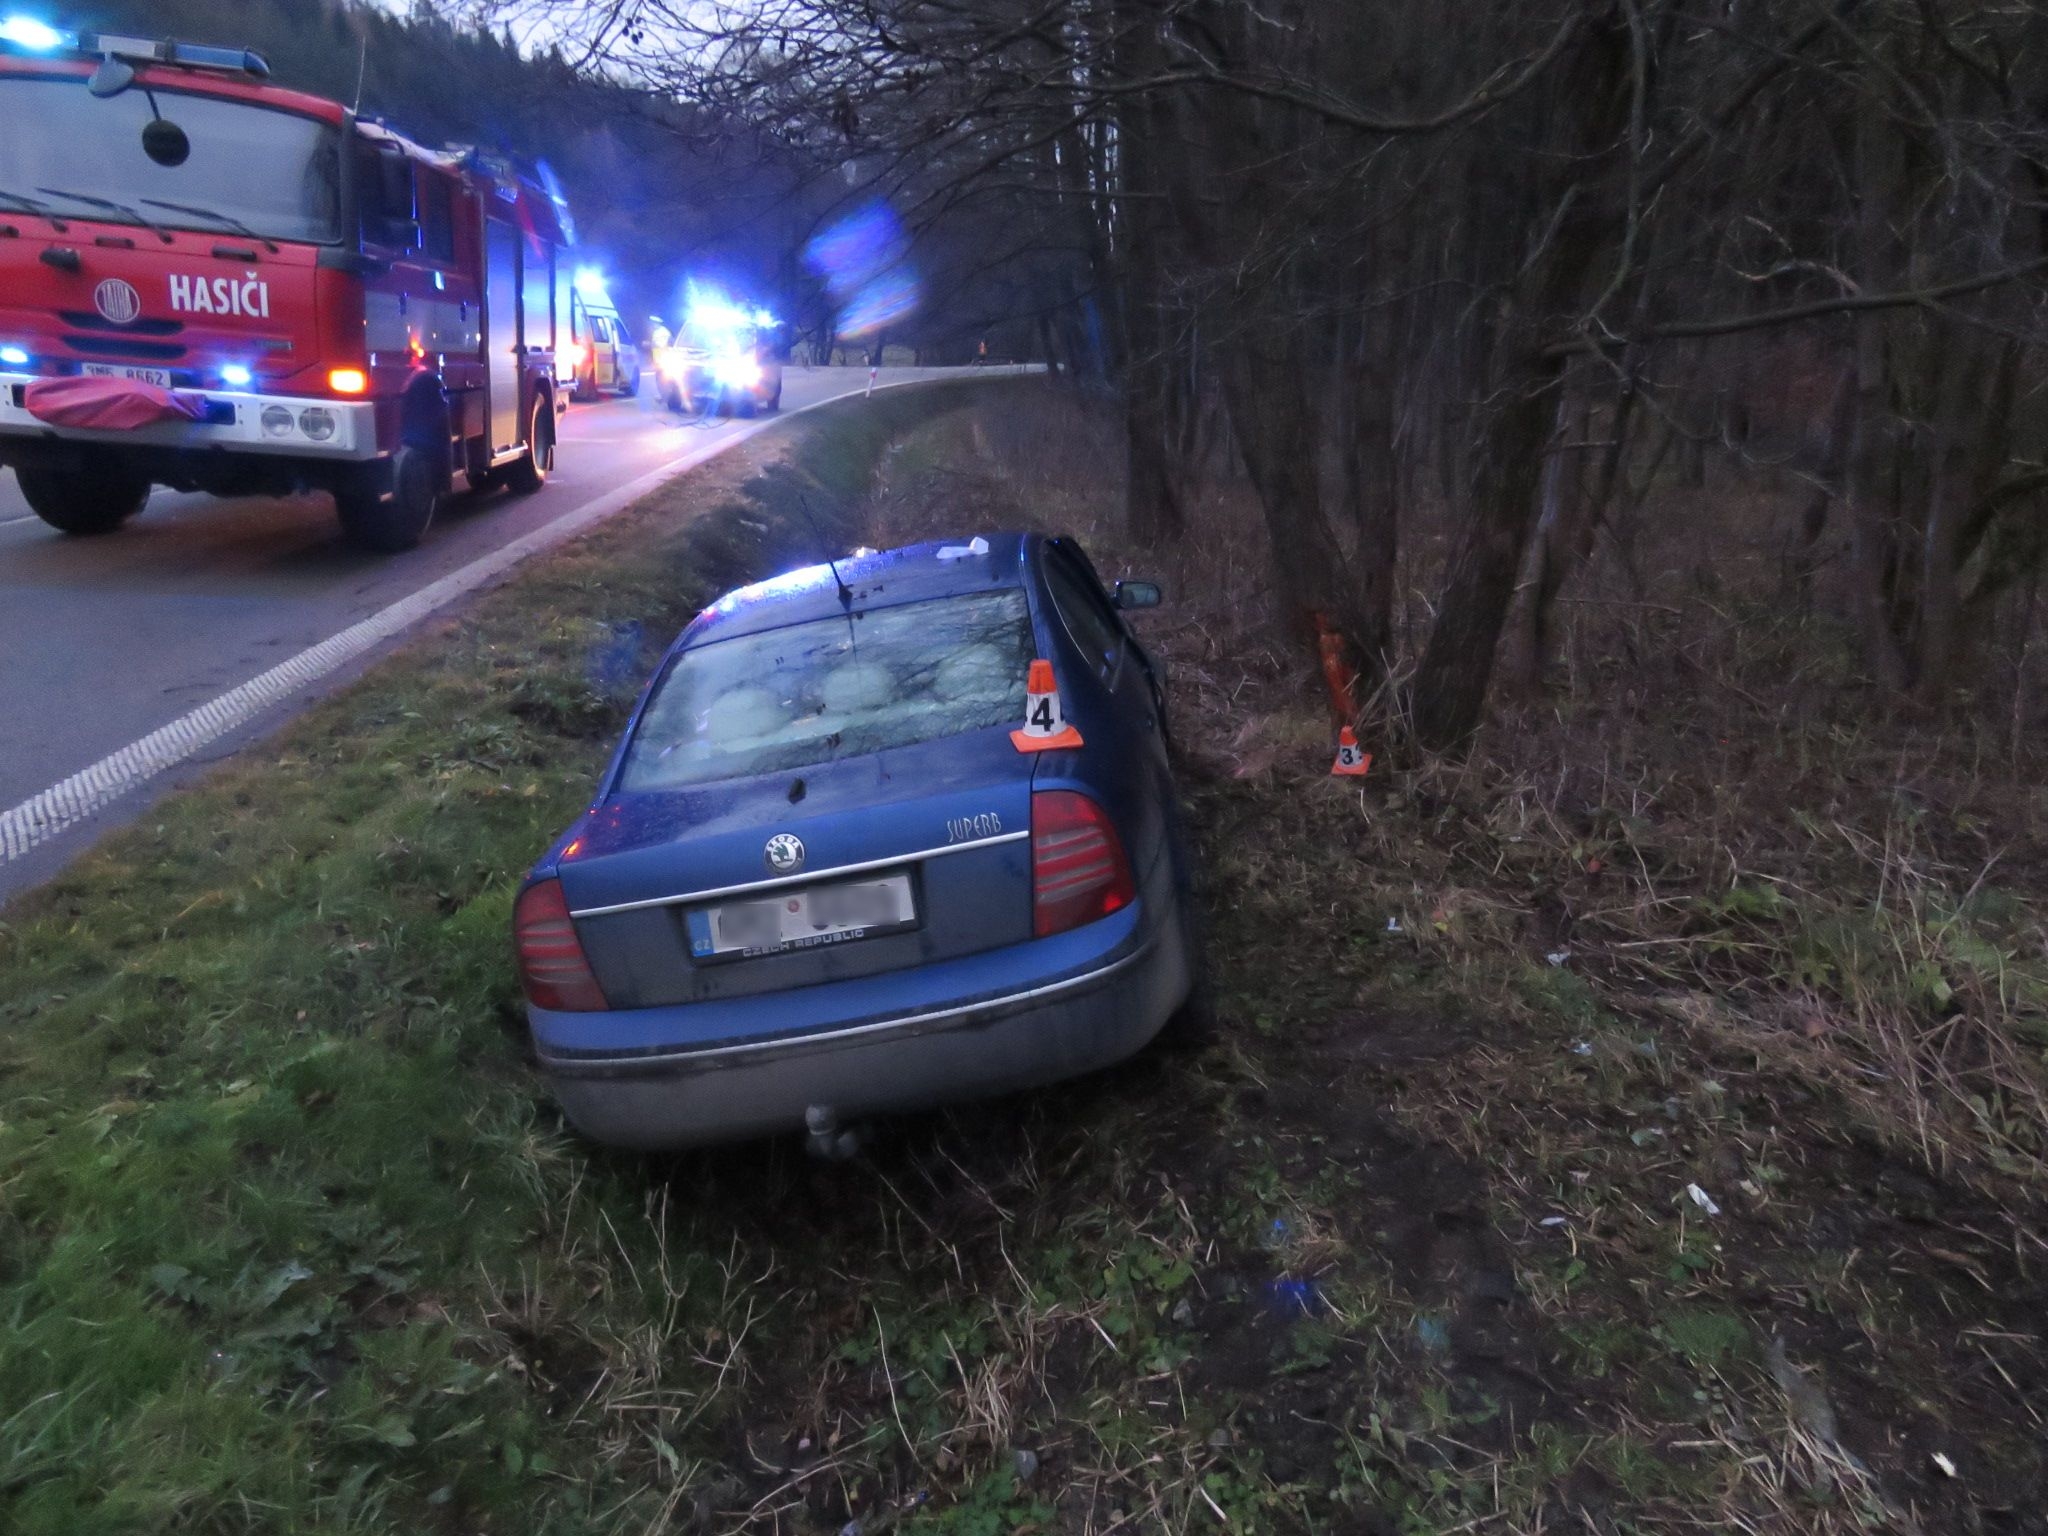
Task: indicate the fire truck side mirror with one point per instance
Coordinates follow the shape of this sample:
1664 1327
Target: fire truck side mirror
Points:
397 214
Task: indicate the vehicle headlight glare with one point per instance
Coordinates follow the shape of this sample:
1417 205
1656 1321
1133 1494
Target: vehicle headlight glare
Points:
738 372
277 421
316 423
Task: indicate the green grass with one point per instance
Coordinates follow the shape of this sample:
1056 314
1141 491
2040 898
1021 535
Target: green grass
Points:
275 1178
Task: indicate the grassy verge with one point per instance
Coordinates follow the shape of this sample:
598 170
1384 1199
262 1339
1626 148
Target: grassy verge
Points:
281 1223
291 1242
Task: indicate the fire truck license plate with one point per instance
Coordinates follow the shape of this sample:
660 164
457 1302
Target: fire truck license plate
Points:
156 376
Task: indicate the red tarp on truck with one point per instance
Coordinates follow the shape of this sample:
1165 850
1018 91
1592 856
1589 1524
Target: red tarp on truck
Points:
108 405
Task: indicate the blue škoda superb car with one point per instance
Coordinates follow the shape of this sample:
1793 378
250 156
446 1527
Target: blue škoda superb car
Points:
823 879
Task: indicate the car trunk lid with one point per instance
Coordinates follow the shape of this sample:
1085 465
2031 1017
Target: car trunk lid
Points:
922 852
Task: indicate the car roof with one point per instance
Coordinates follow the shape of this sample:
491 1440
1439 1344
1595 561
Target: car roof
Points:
878 579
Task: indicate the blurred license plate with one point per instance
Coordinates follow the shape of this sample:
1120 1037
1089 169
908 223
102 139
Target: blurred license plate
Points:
156 376
803 918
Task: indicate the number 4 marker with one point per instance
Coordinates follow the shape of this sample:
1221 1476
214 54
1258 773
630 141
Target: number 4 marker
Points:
1045 727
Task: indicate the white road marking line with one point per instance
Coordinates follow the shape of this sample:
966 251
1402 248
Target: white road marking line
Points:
67 803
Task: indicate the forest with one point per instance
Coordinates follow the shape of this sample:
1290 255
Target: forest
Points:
1460 294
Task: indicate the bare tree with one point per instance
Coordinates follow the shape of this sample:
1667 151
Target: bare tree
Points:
1496 256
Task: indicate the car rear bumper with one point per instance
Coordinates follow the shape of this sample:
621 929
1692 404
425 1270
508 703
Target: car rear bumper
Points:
236 424
972 1048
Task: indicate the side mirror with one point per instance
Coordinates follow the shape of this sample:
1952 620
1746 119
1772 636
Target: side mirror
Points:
396 214
1139 594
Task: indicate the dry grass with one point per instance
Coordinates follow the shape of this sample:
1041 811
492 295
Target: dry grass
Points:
1708 914
1717 830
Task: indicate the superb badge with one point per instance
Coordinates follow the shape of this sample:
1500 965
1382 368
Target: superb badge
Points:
785 853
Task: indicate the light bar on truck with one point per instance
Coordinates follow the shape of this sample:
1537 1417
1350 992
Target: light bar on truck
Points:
38 37
35 36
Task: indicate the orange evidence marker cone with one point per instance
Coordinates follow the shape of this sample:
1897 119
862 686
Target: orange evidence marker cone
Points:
1045 727
1353 761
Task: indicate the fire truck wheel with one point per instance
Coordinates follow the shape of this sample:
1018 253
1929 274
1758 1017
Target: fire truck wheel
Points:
527 475
82 501
391 526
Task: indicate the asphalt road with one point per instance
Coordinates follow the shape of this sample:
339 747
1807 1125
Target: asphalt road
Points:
104 640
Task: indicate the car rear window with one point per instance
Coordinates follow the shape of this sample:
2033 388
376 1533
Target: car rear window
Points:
834 688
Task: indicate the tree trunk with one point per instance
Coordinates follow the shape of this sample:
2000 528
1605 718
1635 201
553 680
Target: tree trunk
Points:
1525 646
1804 564
1153 510
1264 383
1451 684
1152 506
1371 476
1871 489
1950 494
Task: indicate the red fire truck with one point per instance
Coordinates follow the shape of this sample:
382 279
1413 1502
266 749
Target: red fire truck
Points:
210 283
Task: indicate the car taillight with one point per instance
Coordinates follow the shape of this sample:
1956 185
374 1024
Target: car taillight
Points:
1078 869
552 966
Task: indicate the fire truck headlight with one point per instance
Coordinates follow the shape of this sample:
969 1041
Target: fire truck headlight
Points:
235 376
316 423
14 357
277 421
37 36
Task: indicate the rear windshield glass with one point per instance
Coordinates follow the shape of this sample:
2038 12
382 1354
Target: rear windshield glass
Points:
834 688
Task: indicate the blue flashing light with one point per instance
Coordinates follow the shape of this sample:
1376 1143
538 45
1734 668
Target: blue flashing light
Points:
590 282
36 36
13 357
235 376
718 324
